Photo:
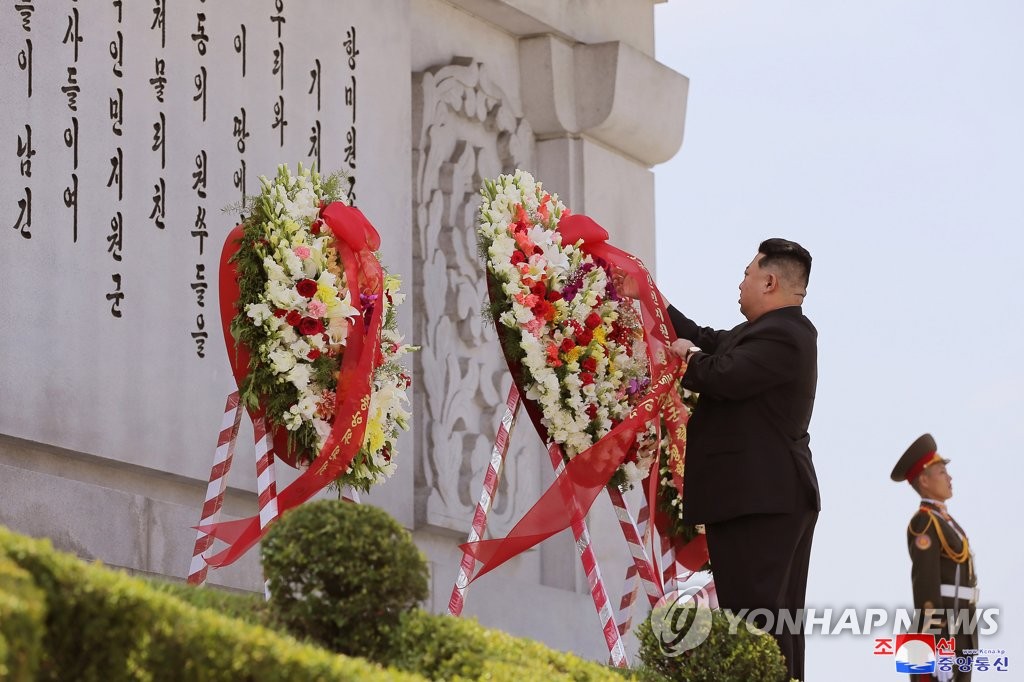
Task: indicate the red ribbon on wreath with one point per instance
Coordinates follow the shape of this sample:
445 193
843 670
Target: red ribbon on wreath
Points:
356 241
588 473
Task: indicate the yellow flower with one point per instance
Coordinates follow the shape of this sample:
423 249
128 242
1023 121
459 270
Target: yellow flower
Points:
374 439
574 354
327 294
599 335
392 283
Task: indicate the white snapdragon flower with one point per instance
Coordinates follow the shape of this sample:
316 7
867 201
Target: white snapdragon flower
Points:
259 313
281 360
299 376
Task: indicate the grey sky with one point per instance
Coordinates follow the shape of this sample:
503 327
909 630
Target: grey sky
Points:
887 136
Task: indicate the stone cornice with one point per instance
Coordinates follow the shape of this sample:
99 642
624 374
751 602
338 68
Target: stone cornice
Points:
609 91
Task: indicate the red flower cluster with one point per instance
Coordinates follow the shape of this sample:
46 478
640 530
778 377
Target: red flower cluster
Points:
309 326
307 288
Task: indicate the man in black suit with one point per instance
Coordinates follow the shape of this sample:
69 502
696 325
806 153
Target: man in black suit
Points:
748 474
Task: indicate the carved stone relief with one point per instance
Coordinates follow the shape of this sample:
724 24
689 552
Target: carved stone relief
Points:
464 130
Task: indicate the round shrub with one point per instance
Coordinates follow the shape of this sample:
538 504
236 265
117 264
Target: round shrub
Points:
343 574
730 653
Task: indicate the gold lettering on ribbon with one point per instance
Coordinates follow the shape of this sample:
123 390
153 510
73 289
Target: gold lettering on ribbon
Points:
333 456
347 438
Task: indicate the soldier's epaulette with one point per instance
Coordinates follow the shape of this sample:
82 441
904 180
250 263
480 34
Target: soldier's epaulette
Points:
920 521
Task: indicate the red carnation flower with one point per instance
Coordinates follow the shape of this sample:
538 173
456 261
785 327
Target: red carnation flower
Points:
306 287
554 296
518 257
314 354
316 226
279 312
585 337
593 321
540 289
544 310
592 411
587 378
293 317
589 365
308 325
567 345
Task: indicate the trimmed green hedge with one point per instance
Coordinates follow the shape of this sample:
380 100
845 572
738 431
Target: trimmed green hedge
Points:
443 647
102 625
343 574
739 655
21 623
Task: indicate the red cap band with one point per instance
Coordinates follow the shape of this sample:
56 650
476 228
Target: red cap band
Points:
919 465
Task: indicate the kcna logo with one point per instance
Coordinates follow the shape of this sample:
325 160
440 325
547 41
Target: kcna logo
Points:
681 620
916 653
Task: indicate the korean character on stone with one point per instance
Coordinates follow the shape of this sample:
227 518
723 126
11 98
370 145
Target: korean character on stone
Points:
25 152
25 10
200 83
199 230
200 336
199 285
159 211
71 141
114 239
279 120
159 79
71 201
72 88
240 132
72 35
350 47
24 222
199 175
240 47
117 54
160 139
117 112
116 296
160 20
314 75
117 173
200 37
25 63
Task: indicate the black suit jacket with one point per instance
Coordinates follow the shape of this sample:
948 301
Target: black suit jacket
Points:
748 450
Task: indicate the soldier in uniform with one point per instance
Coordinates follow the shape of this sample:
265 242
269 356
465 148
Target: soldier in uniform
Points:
942 570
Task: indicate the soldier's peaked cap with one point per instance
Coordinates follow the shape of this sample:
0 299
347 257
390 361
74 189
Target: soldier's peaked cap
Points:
921 453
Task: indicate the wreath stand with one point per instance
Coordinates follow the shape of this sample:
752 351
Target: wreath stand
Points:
641 572
266 484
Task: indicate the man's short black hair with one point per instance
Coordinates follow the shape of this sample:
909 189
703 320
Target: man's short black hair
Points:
789 255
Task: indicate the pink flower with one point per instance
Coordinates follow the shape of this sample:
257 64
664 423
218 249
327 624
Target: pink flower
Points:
301 251
534 325
316 308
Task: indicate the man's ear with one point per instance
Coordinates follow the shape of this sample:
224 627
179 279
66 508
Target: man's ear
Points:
772 283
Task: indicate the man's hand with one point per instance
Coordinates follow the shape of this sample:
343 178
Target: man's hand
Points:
624 284
680 347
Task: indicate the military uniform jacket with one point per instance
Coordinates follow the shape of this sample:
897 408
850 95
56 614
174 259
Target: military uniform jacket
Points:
748 450
938 548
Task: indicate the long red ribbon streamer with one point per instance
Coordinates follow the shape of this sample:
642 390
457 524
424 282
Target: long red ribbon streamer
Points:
356 240
588 472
